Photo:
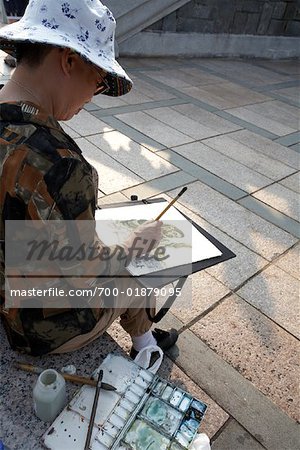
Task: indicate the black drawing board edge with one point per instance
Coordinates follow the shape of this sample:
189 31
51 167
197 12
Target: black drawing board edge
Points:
132 203
162 278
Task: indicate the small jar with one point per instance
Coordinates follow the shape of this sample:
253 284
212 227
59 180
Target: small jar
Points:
49 395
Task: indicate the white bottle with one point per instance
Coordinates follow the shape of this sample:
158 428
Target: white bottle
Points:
49 395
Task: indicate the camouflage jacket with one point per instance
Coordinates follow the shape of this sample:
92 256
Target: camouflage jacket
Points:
44 177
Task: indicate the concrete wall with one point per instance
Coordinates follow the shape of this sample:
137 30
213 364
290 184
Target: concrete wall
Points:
254 17
160 44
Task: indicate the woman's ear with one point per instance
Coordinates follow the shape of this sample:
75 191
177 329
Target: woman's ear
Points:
67 58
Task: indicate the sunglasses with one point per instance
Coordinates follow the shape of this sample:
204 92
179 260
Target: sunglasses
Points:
102 87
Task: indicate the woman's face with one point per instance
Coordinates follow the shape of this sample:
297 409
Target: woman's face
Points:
82 84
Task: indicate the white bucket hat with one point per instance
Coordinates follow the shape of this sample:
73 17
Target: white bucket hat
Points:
85 26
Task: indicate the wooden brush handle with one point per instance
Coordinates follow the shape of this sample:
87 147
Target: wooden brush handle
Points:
73 378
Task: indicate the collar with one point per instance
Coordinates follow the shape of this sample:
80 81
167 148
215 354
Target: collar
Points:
27 112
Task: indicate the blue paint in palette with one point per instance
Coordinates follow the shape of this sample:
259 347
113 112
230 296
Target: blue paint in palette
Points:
199 406
191 424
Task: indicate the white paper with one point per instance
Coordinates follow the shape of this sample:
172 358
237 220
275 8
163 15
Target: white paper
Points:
183 242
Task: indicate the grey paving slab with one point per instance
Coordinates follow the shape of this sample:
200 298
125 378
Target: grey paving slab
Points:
279 112
290 139
290 261
135 97
69 131
203 175
132 155
159 185
113 176
271 214
276 294
131 63
292 182
291 93
234 436
91 107
295 147
206 118
179 94
225 95
220 72
181 122
201 292
234 272
282 67
244 124
226 168
273 126
257 348
275 86
85 124
136 107
184 77
133 134
160 63
292 102
197 77
281 198
251 230
154 129
103 101
249 157
243 72
143 91
110 199
267 147
236 395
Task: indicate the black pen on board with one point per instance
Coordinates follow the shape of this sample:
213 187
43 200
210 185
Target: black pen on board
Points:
171 203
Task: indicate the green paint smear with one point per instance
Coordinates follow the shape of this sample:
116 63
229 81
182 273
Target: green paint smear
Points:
142 437
156 411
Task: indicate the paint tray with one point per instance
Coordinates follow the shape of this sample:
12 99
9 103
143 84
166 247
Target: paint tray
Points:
145 412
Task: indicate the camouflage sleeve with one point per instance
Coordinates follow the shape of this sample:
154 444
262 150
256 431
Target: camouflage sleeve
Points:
70 182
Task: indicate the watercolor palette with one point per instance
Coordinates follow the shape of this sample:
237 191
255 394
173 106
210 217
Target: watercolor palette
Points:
169 419
145 412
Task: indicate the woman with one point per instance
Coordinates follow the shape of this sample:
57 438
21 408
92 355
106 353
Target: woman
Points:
65 55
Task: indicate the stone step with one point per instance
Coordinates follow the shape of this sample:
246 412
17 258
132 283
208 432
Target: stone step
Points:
3 17
134 16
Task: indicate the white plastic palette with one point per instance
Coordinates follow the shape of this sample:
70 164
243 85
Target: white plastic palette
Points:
144 412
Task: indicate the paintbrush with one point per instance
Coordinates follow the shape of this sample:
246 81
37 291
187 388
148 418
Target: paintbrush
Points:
93 413
171 203
73 378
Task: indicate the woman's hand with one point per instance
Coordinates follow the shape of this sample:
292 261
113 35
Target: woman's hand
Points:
144 238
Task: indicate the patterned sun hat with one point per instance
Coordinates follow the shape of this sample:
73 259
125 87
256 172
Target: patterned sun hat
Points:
85 26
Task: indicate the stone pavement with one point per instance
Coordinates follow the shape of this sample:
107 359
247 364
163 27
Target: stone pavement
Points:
229 130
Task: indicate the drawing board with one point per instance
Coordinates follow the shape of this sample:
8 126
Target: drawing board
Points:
183 243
